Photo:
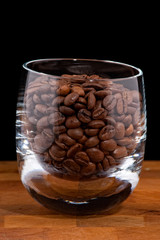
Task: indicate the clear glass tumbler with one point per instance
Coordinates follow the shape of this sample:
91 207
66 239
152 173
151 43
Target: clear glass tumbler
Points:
80 133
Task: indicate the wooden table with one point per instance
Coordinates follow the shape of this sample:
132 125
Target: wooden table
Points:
22 218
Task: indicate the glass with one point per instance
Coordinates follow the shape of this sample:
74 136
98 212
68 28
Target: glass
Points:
80 133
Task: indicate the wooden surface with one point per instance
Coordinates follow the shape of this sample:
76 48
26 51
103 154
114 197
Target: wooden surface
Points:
22 218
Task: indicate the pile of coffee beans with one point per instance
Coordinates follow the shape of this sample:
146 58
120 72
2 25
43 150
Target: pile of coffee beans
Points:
81 125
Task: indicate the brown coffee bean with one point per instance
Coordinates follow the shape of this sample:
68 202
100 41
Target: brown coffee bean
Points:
41 108
41 143
91 132
91 142
103 93
108 145
109 102
124 141
95 154
99 113
47 98
78 90
71 165
89 169
48 134
66 110
119 106
59 129
111 160
75 133
129 130
92 85
73 149
82 139
78 106
107 132
96 124
105 164
136 117
82 158
72 122
91 101
119 130
57 101
42 123
56 118
71 98
84 115
120 152
36 98
63 90
127 120
65 139
56 151
131 110
51 110
45 88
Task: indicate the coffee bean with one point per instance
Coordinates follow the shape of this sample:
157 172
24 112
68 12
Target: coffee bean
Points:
65 139
58 101
75 133
56 118
59 129
41 108
63 90
129 130
119 106
120 152
107 132
99 113
89 169
84 115
66 110
108 145
91 142
103 93
47 98
95 154
73 149
71 165
109 102
56 151
91 101
71 98
96 124
78 90
36 98
83 139
91 132
92 85
119 130
82 158
42 123
124 141
72 122
42 142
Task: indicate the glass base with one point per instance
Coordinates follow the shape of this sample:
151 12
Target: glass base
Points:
91 206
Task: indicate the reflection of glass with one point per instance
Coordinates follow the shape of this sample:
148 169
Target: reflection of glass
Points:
81 131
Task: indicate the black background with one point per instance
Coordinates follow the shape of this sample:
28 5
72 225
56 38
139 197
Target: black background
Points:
128 35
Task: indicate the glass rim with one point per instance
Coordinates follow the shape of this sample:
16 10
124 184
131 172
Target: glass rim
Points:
139 71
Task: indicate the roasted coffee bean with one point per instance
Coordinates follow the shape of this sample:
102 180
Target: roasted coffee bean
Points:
111 161
41 143
59 129
107 132
124 141
91 101
129 130
91 142
91 132
82 139
96 124
36 99
71 98
72 122
73 149
56 118
99 113
63 90
105 164
56 151
108 145
136 117
58 101
120 152
47 98
84 115
89 169
109 102
127 120
92 85
42 123
82 158
41 108
119 106
71 165
95 154
119 130
66 139
103 93
66 110
75 133
109 120
78 90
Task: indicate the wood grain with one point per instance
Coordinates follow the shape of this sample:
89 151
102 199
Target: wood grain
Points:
22 218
